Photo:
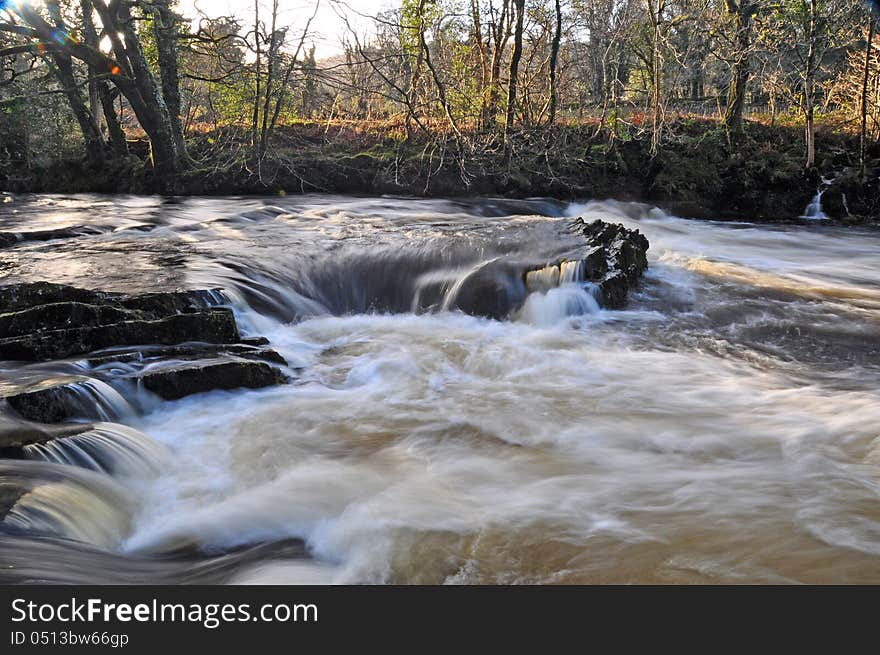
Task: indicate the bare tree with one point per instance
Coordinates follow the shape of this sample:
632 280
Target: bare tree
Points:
520 10
554 59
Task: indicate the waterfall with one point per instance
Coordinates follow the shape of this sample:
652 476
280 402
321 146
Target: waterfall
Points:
546 309
814 211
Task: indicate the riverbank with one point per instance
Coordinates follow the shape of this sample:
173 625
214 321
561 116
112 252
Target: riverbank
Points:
701 171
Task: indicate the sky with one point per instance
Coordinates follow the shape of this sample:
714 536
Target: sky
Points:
327 27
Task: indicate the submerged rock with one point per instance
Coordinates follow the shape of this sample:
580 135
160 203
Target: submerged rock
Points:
11 238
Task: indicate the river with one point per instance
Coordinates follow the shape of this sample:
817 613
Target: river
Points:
722 428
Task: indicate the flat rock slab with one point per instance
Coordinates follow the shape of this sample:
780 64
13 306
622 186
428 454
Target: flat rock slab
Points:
178 381
63 399
15 297
16 433
63 315
172 344
190 351
214 326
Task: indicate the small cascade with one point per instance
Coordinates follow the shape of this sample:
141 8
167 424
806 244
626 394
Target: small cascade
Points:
65 501
95 399
69 398
814 211
453 295
569 271
556 292
117 450
572 271
545 309
543 279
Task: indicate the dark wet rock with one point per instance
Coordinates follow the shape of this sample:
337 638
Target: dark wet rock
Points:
17 297
187 352
492 291
179 380
49 405
76 398
10 494
213 326
170 302
255 341
614 261
65 398
172 344
11 238
625 259
57 316
16 433
264 354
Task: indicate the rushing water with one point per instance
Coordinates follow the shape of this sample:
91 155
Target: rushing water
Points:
722 428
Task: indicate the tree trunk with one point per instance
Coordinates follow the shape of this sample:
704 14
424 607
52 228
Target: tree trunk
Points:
94 143
255 118
149 105
111 118
165 30
810 86
739 80
554 58
272 66
100 87
481 51
863 128
500 35
656 15
62 65
519 6
128 71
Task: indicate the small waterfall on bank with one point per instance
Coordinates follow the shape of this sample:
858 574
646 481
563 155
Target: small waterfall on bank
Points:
814 211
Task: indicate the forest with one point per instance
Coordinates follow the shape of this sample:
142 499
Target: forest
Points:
712 106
